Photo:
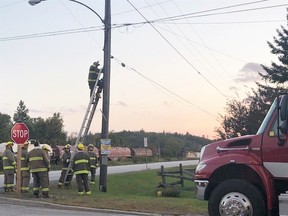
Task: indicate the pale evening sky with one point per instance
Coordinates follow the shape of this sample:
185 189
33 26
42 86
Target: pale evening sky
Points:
181 69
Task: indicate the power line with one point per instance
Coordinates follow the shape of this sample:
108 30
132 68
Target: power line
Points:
160 86
192 15
14 3
177 51
179 17
53 33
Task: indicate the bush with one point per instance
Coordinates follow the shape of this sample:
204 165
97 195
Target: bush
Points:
168 191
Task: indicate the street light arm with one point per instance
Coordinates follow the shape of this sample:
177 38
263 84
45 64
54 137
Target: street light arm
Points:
34 2
89 9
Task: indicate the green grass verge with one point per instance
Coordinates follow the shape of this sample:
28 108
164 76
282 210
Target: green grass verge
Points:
135 191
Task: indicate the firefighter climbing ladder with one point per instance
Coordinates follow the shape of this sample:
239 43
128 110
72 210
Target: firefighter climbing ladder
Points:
86 122
89 112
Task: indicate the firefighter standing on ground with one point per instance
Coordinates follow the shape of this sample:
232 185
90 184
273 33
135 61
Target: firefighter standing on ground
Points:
65 164
39 164
25 173
93 161
47 151
9 164
81 168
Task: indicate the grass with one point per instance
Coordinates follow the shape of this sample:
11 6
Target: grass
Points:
135 191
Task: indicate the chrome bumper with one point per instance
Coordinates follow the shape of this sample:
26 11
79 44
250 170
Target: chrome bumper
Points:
200 188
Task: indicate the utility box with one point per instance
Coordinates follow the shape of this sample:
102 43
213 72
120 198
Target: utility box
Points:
283 204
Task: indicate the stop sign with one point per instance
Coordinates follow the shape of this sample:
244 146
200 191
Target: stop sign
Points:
19 133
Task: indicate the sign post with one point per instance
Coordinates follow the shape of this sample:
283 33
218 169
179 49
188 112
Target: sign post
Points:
145 146
20 135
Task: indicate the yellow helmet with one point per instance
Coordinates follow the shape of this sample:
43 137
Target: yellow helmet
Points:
80 146
9 143
44 147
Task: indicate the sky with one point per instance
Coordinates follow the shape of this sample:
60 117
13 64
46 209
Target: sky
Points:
184 59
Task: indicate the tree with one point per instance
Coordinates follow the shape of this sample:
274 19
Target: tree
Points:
37 128
5 127
278 73
55 133
256 105
234 122
21 115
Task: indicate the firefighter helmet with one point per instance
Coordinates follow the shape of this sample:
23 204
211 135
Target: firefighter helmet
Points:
45 148
80 146
9 143
90 146
67 146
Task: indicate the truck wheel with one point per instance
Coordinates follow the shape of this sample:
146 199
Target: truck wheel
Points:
236 198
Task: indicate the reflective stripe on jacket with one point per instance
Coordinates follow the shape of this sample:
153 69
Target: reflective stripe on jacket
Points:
38 160
93 159
81 163
8 160
24 164
93 73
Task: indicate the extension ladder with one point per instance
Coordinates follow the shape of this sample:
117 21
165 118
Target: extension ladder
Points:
86 123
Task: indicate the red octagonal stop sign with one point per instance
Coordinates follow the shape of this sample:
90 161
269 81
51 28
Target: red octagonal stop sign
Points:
19 133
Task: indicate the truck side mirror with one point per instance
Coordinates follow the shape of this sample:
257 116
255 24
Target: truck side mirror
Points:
282 118
283 127
283 108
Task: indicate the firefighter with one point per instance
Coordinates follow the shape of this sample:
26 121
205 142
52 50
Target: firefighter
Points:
25 173
93 161
9 164
81 168
47 151
93 74
39 165
66 157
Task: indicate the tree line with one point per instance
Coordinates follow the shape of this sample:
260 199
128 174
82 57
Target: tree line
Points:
51 131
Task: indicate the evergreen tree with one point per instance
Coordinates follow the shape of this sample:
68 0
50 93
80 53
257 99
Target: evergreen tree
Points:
256 105
278 72
21 115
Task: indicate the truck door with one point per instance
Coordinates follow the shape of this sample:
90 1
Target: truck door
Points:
275 156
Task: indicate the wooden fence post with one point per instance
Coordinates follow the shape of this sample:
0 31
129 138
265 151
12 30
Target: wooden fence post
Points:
163 176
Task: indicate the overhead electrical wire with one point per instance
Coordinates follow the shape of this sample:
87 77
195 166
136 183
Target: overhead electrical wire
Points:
167 19
192 15
159 85
214 69
53 33
177 51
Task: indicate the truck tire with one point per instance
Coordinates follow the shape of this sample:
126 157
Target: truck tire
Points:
236 198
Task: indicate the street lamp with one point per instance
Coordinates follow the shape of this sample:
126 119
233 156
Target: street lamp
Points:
106 83
34 2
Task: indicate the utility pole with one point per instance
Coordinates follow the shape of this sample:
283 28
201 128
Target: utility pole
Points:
106 94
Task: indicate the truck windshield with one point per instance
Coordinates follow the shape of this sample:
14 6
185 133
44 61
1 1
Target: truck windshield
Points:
267 118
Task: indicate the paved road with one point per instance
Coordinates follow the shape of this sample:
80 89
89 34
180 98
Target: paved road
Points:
16 207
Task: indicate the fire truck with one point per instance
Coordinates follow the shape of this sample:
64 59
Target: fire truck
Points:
248 175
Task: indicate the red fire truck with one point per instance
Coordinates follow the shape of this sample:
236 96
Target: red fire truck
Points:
245 176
